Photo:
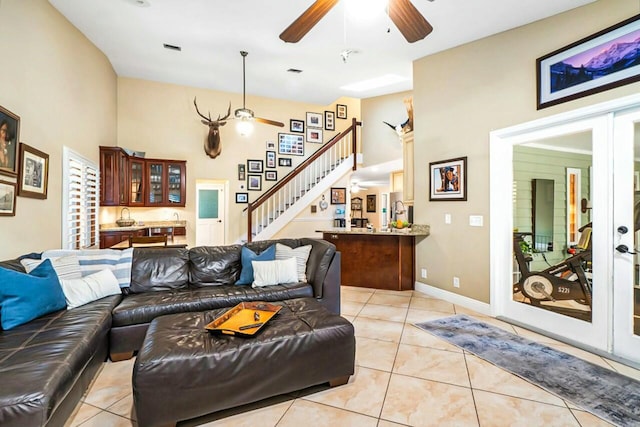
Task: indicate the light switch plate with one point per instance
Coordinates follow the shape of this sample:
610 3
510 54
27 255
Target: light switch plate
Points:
476 220
447 218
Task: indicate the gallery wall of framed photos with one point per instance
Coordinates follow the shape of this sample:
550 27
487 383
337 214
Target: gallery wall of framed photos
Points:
282 154
24 170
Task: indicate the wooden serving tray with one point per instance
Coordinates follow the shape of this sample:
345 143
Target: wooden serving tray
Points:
245 319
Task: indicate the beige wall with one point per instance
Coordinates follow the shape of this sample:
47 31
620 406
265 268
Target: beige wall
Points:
462 94
380 143
160 120
64 90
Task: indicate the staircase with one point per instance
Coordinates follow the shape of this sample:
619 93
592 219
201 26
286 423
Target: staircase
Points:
308 181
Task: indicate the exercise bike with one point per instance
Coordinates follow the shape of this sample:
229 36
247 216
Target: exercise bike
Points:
567 280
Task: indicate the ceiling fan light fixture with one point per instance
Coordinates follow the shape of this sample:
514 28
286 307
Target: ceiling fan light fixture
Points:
244 114
244 126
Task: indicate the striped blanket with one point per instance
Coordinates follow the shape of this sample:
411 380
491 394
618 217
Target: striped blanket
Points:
94 260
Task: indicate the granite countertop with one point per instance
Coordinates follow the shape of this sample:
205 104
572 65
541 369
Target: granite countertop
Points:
415 230
140 225
176 242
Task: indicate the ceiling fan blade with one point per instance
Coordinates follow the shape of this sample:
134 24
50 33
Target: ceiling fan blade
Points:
268 122
305 22
409 21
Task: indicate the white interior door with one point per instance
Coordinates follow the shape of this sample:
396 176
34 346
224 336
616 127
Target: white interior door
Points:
210 214
626 286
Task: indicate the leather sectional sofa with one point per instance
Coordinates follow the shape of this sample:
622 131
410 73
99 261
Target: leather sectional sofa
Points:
47 364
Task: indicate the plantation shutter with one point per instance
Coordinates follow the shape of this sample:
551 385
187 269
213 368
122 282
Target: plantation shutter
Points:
80 202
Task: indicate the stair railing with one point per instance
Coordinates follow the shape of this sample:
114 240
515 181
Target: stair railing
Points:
305 176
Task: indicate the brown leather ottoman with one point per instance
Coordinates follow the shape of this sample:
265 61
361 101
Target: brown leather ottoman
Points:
183 371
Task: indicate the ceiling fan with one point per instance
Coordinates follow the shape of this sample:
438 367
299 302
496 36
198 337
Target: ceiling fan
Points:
404 15
244 113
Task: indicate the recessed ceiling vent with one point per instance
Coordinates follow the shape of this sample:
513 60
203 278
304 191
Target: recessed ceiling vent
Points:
139 3
172 47
294 70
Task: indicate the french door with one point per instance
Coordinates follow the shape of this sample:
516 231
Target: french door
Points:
578 282
626 216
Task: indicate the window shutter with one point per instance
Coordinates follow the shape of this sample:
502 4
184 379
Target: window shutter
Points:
80 228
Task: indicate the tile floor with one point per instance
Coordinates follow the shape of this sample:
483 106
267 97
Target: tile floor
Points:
404 377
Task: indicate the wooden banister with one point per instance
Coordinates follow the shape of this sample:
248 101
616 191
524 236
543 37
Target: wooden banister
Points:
301 167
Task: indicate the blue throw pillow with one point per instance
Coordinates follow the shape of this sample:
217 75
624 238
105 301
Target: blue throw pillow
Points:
24 297
246 256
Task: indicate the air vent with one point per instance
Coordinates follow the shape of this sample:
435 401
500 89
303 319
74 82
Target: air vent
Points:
294 70
172 47
139 3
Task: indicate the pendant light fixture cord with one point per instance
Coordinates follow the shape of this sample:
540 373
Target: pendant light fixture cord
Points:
244 80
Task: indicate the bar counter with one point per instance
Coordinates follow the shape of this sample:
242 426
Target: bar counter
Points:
380 259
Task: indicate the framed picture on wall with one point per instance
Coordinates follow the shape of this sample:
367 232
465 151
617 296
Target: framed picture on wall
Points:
314 120
241 172
284 161
448 180
341 111
314 135
271 176
254 166
242 197
338 195
591 65
9 137
371 202
289 143
329 120
296 126
271 159
7 198
254 182
34 172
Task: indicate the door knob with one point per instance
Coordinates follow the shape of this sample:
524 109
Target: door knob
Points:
623 229
624 249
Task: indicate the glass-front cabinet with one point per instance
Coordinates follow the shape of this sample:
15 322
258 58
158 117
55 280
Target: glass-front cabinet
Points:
127 180
175 182
167 183
156 179
135 183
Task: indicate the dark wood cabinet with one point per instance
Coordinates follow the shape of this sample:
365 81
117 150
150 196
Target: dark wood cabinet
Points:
380 261
133 181
109 176
110 238
166 182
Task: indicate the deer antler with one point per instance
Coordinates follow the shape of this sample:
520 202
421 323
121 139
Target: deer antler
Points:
225 117
202 115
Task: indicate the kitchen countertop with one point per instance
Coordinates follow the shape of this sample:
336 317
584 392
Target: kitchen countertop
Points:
415 230
142 225
176 242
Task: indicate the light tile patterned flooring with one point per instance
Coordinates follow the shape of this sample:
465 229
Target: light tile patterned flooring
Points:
404 377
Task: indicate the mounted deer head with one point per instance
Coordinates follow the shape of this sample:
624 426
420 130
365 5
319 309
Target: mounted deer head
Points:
212 145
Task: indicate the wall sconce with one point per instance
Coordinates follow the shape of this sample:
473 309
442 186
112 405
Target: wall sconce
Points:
585 205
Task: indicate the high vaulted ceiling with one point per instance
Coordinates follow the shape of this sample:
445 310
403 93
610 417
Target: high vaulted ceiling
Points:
211 34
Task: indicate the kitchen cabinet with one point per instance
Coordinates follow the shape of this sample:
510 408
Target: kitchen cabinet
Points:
111 176
390 265
110 238
166 183
407 164
137 182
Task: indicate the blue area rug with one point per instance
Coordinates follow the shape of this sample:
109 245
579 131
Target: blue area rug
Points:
603 392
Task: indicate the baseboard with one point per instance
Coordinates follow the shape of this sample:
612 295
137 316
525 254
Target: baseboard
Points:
466 302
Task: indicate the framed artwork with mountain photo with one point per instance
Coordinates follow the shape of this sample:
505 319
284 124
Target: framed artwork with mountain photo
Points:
605 60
